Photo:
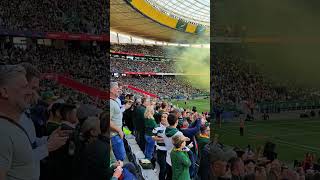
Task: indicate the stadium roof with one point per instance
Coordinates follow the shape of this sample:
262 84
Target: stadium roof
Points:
197 11
151 19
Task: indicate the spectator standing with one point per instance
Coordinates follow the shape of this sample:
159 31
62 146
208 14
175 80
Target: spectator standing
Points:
16 159
138 122
203 138
170 132
149 124
116 115
40 146
180 159
61 160
158 136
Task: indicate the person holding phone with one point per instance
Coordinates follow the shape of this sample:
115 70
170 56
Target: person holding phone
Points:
61 159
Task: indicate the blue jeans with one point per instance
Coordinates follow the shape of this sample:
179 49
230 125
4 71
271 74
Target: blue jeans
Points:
192 168
118 148
149 148
129 172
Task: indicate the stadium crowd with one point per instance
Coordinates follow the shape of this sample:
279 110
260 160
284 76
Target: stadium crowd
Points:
87 66
261 163
78 16
53 138
166 86
161 131
234 80
139 49
178 140
150 50
121 65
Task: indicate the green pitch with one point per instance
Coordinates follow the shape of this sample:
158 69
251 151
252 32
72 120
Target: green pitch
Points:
203 105
293 138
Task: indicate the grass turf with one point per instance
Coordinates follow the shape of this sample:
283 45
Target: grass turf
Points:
203 105
293 137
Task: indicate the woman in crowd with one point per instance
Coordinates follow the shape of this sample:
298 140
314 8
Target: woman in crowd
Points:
150 124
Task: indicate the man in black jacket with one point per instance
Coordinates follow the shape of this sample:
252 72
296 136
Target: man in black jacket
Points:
60 161
94 160
138 122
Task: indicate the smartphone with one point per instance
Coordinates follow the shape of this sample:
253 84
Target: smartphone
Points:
66 127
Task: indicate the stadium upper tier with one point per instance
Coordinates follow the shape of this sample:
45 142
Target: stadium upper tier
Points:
77 16
156 21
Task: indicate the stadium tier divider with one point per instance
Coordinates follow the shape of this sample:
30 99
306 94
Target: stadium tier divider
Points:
134 155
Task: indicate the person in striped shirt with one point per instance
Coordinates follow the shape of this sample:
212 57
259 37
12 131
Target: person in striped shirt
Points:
158 134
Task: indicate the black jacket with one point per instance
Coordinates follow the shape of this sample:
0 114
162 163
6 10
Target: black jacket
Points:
95 160
128 118
60 161
138 120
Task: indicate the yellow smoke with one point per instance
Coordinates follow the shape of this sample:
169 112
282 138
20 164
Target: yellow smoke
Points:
196 63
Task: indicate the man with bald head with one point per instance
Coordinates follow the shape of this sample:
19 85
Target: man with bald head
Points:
16 160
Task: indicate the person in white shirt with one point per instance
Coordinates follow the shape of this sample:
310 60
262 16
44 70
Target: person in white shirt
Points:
158 136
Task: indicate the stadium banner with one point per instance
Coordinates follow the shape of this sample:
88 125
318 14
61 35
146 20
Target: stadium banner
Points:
178 74
181 25
142 91
82 88
161 74
70 83
6 32
56 35
191 28
141 73
80 37
130 54
148 10
200 29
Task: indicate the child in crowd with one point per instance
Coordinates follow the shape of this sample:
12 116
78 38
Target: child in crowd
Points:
180 159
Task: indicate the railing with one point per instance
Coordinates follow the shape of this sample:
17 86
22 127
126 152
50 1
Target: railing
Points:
274 107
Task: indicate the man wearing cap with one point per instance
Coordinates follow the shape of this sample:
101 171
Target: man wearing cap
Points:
116 123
